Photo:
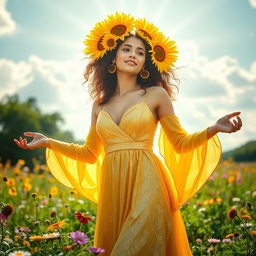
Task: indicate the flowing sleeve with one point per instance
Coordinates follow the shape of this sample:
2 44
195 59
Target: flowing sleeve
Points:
78 166
190 158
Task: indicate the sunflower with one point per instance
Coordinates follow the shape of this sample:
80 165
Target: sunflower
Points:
145 29
163 52
94 41
109 42
119 25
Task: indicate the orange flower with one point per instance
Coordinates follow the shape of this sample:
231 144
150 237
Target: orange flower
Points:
253 232
229 235
246 217
56 225
10 182
36 238
231 179
26 243
21 162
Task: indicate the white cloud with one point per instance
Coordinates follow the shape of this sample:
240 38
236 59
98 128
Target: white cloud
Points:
253 3
7 24
211 89
14 76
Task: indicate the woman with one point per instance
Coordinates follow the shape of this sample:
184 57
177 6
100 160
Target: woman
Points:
138 196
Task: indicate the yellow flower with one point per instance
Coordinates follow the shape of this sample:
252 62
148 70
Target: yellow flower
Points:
12 191
93 41
109 42
56 225
11 182
145 29
16 170
119 24
163 52
27 187
54 191
21 162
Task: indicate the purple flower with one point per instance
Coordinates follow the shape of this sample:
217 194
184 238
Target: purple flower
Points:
96 250
6 212
79 237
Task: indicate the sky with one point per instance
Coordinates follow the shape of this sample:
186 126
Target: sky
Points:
41 56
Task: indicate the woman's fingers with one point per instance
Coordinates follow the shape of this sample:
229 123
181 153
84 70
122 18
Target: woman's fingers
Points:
233 114
29 134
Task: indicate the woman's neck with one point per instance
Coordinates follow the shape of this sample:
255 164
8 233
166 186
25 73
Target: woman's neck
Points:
126 83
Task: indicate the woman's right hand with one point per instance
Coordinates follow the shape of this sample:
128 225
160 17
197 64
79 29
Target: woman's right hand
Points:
39 140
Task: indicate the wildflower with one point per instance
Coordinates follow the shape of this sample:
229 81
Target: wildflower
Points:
226 240
5 179
79 237
34 195
231 179
36 238
53 214
248 205
21 162
6 212
19 230
12 191
213 241
198 240
254 194
11 182
20 253
232 213
51 235
82 217
95 250
54 191
229 235
253 232
236 199
210 249
26 243
56 225
26 187
246 217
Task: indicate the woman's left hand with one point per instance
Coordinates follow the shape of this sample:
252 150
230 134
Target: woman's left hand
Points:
226 126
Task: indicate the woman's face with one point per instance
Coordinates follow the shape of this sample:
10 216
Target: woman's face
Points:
130 56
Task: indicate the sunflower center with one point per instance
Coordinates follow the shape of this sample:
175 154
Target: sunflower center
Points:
146 34
99 45
118 30
159 53
110 43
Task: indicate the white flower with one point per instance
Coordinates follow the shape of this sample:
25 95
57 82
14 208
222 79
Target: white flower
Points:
203 209
20 253
51 235
236 199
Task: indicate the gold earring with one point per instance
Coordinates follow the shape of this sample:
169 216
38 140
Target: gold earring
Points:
144 74
112 68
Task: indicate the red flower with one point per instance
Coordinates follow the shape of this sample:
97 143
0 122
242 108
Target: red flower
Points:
82 217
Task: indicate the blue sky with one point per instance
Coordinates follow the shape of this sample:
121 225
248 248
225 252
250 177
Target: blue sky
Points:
41 56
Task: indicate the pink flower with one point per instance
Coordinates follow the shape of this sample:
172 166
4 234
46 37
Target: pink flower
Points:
79 237
213 241
96 251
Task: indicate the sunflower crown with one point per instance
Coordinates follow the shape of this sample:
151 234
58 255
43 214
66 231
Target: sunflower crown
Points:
103 38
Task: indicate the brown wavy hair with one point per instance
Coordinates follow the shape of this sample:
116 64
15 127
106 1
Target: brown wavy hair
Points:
102 84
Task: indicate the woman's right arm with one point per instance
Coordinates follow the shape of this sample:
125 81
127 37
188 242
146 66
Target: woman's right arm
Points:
88 152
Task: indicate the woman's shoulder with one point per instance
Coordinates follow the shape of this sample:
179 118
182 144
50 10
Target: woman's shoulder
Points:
157 92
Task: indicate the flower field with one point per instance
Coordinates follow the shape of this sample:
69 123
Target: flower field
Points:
39 216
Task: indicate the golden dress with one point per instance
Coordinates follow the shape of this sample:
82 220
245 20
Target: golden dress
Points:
137 195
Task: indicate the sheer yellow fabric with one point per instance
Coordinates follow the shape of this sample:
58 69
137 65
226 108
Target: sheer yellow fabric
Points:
138 196
78 166
190 158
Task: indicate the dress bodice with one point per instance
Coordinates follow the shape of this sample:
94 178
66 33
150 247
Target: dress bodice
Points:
136 129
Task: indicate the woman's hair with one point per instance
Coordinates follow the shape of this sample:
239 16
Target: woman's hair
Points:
102 84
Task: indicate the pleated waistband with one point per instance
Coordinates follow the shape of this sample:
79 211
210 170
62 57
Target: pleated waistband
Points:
129 145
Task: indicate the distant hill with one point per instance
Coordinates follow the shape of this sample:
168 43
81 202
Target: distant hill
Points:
245 153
